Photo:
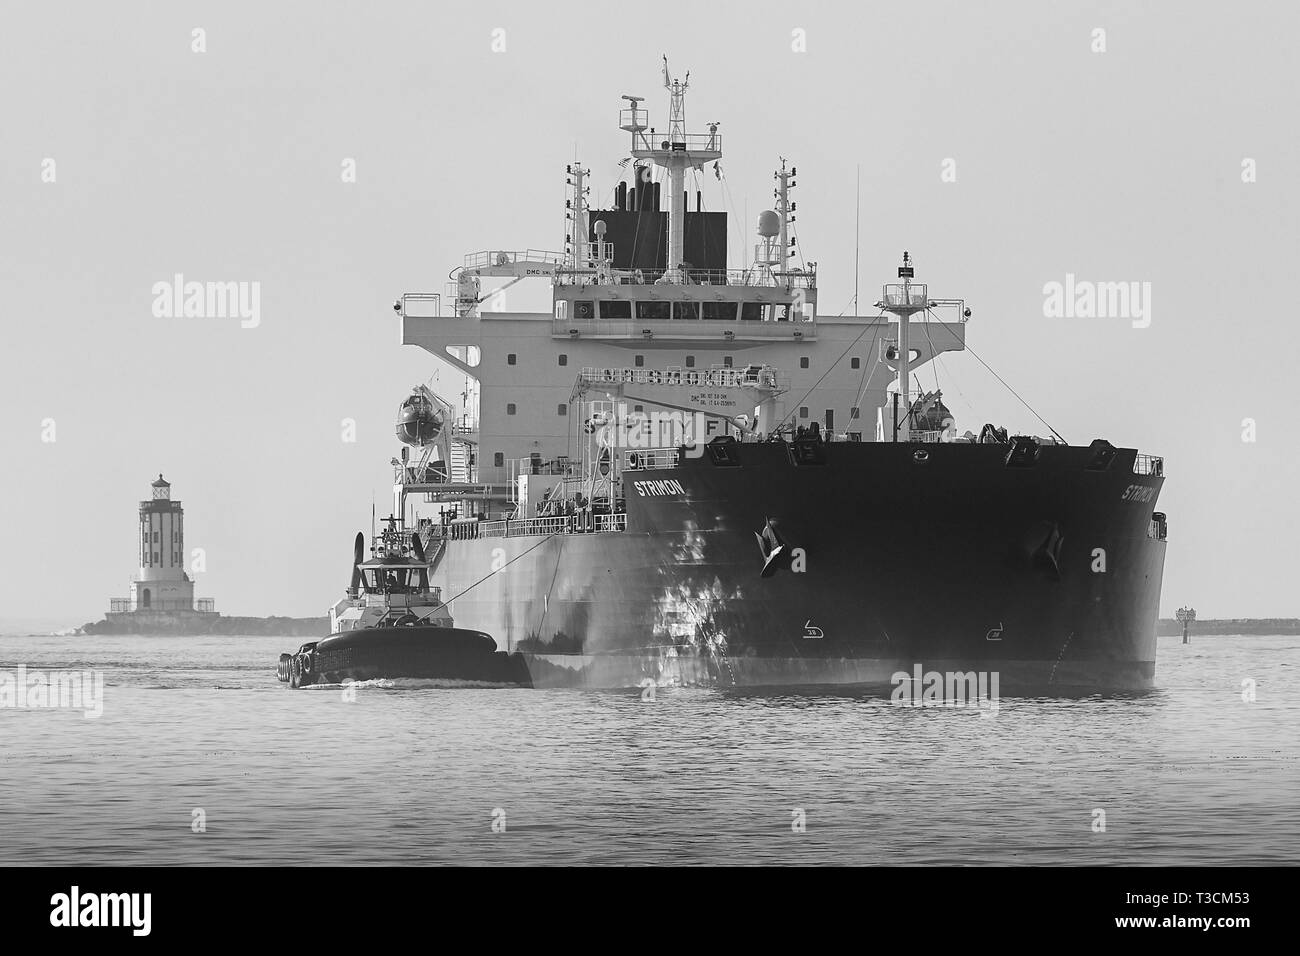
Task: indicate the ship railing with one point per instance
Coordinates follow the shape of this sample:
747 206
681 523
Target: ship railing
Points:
525 527
652 142
468 530
753 276
559 524
421 305
605 523
539 466
649 459
1149 465
925 436
123 605
895 293
668 328
433 473
502 258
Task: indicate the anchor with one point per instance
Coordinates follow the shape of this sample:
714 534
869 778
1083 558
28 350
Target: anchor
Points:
776 554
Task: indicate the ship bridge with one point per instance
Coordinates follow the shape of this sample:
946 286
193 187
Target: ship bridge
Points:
749 305
647 303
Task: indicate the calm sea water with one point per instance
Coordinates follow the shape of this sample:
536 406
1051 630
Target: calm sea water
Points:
1189 773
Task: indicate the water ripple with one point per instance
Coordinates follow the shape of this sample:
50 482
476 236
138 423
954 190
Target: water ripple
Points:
1188 773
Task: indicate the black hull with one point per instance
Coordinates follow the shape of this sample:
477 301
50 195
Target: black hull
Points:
1048 574
449 654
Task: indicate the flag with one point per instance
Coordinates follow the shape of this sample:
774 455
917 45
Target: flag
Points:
668 84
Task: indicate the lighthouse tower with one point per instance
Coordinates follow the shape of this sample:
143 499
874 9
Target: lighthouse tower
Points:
162 584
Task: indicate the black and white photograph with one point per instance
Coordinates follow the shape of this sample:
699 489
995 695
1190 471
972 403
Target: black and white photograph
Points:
642 436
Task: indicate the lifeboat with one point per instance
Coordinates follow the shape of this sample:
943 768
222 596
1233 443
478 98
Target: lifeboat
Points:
420 420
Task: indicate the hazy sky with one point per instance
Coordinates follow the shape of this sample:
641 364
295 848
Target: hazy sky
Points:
1122 165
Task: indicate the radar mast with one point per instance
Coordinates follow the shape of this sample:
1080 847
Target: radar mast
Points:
677 152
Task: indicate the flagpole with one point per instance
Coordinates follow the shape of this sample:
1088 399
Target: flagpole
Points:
857 236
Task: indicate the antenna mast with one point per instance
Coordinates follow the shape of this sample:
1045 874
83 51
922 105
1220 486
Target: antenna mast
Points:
785 179
857 235
902 299
675 153
577 212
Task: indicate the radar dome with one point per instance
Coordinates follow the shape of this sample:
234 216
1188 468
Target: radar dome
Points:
600 227
769 224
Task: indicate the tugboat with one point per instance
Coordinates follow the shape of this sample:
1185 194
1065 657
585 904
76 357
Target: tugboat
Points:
392 625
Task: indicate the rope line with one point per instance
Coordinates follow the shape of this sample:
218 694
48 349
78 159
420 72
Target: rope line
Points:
1007 387
502 568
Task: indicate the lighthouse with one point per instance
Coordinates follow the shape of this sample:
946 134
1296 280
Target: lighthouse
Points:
162 597
162 584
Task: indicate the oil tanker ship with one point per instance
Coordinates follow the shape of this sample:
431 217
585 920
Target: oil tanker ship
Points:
686 473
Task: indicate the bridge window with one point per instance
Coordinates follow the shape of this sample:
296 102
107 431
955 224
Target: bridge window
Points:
751 311
690 361
499 459
803 411
654 310
510 359
803 361
686 310
510 408
855 362
726 361
561 409
640 361
615 309
725 311
855 412
564 360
